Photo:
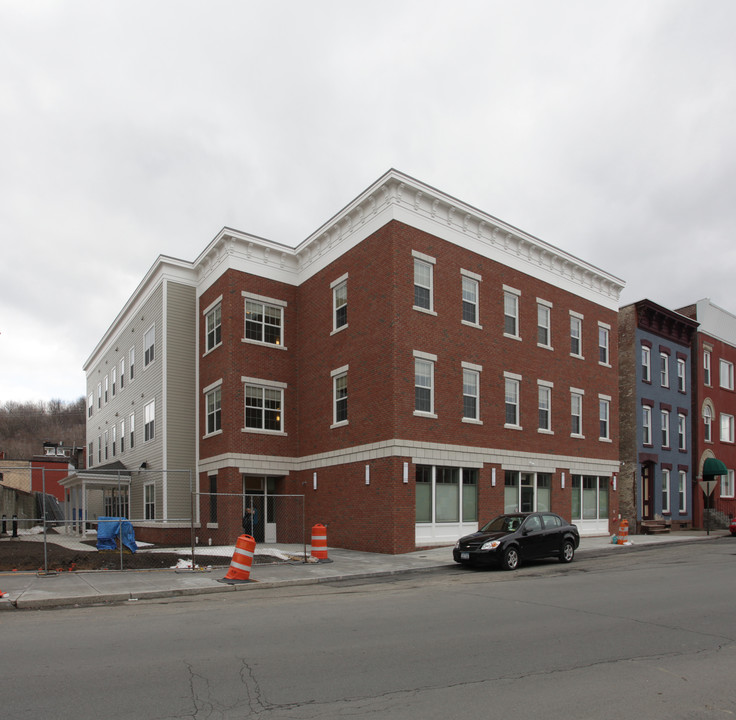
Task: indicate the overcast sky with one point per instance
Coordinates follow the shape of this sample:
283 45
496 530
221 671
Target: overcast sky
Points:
133 129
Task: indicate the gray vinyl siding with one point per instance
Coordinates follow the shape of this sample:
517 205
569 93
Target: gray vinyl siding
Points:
180 397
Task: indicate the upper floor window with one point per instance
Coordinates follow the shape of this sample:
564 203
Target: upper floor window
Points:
114 381
263 407
604 353
131 426
340 303
545 406
706 368
664 369
107 388
149 417
122 436
707 424
99 395
424 383
681 432
471 393
213 400
726 374
213 327
682 491
263 322
576 335
131 357
544 324
149 346
665 418
513 411
423 281
340 395
726 428
646 364
510 312
90 404
681 375
122 373
470 299
727 485
646 425
604 417
665 490
576 413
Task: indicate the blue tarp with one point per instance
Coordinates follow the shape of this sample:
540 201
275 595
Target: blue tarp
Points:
108 529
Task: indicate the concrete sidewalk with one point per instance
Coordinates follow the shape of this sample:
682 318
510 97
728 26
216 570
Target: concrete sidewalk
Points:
28 590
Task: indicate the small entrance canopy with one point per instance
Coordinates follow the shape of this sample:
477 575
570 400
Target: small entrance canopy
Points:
78 484
713 467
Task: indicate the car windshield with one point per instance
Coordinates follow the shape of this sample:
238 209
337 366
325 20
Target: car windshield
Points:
504 523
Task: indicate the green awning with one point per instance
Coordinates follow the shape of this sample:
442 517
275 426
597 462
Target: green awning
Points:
713 467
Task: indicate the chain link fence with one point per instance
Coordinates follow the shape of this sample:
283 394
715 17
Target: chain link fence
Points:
112 520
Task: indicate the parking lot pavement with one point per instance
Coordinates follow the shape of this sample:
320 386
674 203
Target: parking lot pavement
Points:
26 590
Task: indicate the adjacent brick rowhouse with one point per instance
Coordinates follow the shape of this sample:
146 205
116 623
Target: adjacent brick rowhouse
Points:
358 477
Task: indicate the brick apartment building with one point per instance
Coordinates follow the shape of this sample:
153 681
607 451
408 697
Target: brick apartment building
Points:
412 368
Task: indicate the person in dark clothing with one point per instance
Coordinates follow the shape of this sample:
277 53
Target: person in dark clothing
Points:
250 521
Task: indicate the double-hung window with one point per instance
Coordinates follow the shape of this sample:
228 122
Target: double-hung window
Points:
726 374
665 422
604 339
682 491
726 428
471 392
646 425
114 440
646 364
423 281
149 419
707 424
99 395
470 297
545 406
90 404
706 368
122 373
340 303
511 312
604 416
512 385
544 323
114 381
131 358
727 484
340 396
424 383
664 369
122 436
149 501
213 404
107 388
263 405
576 334
576 412
665 490
213 326
264 320
149 346
681 375
131 426
681 432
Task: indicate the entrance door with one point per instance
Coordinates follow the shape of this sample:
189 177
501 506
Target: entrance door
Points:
258 507
647 491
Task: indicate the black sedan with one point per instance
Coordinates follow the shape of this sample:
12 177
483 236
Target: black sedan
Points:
509 539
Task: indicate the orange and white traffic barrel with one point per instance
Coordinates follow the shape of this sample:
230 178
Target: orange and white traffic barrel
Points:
319 543
623 532
242 560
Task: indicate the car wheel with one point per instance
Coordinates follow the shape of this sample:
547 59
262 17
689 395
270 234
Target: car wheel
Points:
510 559
568 552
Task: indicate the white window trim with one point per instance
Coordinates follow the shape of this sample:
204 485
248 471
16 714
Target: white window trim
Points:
334 374
682 483
730 427
205 313
429 260
549 386
478 279
272 385
512 292
206 391
581 318
682 436
283 304
728 366
577 392
333 287
547 304
664 370
666 483
666 428
153 344
605 399
646 364
647 410
432 359
514 377
607 328
477 369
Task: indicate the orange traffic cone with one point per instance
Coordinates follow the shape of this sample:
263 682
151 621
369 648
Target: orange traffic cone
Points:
319 543
239 571
3 594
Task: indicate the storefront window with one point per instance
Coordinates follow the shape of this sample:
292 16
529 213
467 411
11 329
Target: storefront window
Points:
527 492
445 494
589 497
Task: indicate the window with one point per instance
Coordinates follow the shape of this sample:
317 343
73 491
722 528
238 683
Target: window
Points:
727 484
512 383
682 491
131 426
665 422
576 413
114 440
526 492
149 427
681 432
681 370
707 424
107 443
446 494
263 322
471 393
99 449
340 395
122 436
470 300
340 303
423 385
664 370
107 388
122 373
726 428
545 406
604 415
665 490
114 381
90 404
90 455
99 395
576 335
263 406
149 345
706 367
544 319
131 357
726 370
604 356
590 497
213 327
646 425
423 282
149 501
511 312
646 364
214 414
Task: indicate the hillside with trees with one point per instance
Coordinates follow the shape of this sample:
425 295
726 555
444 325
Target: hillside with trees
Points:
25 426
